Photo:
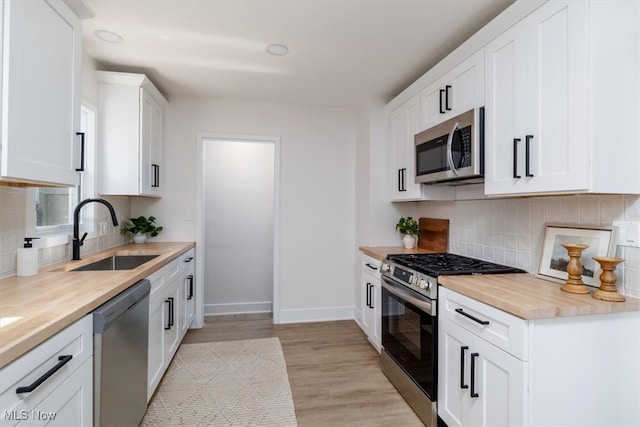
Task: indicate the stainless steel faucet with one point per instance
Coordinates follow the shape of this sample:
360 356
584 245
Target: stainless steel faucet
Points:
77 241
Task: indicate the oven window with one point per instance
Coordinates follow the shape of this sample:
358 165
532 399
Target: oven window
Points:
409 337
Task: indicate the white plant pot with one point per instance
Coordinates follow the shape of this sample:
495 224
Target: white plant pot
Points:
139 238
409 241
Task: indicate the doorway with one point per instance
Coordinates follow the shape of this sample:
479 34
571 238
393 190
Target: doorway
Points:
238 224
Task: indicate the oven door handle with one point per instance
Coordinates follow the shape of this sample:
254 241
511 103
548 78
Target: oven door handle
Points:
425 306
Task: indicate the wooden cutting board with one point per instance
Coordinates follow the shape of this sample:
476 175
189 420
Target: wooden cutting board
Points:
434 234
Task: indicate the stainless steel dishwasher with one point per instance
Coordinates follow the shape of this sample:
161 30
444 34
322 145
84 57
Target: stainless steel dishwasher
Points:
120 351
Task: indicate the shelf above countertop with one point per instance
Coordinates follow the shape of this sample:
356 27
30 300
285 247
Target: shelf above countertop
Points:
528 297
34 308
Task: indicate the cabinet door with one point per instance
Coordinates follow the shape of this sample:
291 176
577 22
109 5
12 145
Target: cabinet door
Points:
454 344
150 144
156 360
367 310
497 388
505 69
404 124
172 323
537 103
557 98
41 92
376 301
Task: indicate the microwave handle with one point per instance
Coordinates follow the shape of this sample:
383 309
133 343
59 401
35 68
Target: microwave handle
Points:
450 146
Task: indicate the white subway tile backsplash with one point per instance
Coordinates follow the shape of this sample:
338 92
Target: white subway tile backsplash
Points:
515 233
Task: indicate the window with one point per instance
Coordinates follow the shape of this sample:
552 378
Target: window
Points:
54 206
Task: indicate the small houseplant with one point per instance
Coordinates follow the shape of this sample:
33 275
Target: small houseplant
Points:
140 227
411 230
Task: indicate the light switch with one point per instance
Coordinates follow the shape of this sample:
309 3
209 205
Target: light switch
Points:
628 233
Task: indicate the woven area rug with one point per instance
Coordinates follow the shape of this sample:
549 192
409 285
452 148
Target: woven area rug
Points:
232 383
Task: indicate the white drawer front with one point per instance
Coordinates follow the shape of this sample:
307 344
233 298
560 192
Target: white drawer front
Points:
187 261
76 340
370 264
504 330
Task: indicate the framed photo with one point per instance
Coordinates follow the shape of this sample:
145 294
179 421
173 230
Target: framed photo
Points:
554 258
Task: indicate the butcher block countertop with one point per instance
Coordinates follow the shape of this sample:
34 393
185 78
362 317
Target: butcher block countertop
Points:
528 297
34 308
380 252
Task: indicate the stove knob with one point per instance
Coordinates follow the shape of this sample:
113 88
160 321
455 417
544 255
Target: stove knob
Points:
384 267
412 280
423 284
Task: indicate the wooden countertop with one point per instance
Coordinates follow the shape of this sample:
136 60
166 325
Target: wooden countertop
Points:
35 308
380 252
528 297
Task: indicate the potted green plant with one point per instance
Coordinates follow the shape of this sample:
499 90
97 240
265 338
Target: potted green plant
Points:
140 227
411 230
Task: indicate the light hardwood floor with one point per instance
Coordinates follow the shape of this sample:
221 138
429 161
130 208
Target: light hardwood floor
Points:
333 370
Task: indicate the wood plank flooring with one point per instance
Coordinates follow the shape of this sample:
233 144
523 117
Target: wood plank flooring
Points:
333 370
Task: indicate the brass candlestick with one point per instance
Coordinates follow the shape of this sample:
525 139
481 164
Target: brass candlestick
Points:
574 283
607 290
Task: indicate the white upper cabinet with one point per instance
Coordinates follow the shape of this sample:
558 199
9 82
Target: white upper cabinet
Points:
460 90
552 114
130 135
41 60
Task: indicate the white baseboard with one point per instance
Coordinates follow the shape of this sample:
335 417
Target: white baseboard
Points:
324 314
238 308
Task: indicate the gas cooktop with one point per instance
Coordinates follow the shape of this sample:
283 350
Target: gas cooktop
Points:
447 264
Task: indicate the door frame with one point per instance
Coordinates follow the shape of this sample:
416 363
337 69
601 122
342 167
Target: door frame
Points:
200 215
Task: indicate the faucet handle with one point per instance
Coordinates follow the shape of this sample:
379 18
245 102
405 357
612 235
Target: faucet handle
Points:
82 239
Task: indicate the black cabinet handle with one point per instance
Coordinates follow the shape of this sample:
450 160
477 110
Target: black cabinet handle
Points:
399 179
462 350
441 103
81 168
369 295
190 279
475 319
528 139
404 179
371 266
171 310
156 175
62 360
516 141
446 97
473 374
189 259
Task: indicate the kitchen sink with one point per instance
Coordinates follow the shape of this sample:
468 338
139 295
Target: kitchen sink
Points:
117 262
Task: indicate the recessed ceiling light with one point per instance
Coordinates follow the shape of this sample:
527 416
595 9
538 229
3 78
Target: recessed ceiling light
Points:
108 36
277 49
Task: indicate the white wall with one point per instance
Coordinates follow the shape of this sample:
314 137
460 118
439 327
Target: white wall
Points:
317 191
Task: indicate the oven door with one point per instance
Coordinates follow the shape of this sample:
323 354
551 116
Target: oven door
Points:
409 334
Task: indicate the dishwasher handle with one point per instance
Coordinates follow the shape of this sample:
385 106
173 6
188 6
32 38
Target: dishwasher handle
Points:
111 310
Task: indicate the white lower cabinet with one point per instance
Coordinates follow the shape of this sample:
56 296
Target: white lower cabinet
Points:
65 396
496 369
369 294
169 311
481 385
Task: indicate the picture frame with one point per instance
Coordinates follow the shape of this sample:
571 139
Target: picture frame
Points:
602 241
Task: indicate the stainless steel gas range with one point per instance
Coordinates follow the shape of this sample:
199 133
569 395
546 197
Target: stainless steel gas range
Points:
410 322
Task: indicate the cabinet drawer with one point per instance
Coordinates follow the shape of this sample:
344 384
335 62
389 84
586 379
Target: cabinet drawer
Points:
187 261
370 264
75 341
504 330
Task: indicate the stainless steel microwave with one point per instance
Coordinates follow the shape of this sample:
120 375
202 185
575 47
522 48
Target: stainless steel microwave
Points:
452 152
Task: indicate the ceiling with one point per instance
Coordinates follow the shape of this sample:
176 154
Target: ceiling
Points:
341 52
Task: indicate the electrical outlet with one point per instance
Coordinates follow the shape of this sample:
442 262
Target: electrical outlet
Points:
628 233
104 230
